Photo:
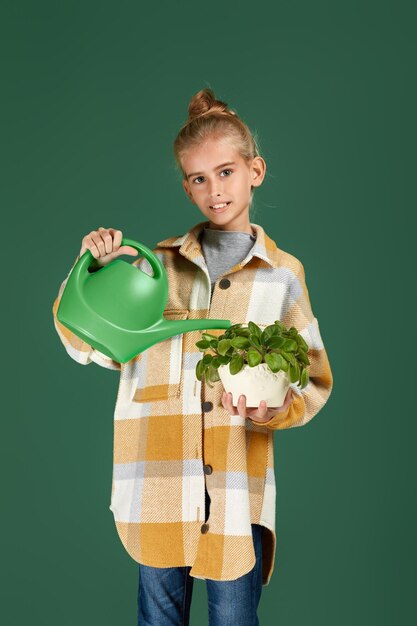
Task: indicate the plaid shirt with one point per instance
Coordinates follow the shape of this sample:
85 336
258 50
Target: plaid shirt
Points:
172 435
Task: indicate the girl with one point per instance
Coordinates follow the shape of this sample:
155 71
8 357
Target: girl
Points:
193 490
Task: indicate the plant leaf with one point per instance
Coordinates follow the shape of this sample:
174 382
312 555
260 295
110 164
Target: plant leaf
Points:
303 357
199 369
202 344
233 327
273 360
268 332
294 373
303 343
284 364
236 364
280 325
275 341
255 341
254 329
290 345
223 346
240 342
213 374
288 356
304 379
253 357
243 332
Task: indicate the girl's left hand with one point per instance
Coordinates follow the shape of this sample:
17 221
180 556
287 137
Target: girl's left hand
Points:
260 414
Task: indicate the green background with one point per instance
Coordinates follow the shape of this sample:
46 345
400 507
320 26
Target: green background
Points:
93 94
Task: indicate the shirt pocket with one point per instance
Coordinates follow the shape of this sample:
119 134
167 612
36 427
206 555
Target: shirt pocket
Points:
164 372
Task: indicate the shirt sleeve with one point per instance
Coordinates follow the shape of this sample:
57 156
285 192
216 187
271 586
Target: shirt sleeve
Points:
78 349
307 402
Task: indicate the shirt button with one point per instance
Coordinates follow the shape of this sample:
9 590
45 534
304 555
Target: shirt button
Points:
207 406
224 283
207 469
204 528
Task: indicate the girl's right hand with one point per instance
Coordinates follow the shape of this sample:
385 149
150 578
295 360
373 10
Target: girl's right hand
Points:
104 245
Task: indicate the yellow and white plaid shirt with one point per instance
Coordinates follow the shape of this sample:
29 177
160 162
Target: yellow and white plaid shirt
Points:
172 435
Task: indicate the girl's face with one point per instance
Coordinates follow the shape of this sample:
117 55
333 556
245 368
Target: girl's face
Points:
217 174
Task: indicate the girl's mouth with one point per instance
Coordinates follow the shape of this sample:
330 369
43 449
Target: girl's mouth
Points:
221 208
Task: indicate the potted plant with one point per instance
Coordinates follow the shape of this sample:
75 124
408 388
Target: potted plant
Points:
258 363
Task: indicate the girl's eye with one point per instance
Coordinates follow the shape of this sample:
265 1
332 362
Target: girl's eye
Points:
198 177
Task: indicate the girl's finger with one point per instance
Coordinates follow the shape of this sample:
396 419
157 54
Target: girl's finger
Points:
227 403
107 239
117 238
93 247
224 400
241 406
99 243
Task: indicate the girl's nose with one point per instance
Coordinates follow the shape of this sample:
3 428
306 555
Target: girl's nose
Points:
215 190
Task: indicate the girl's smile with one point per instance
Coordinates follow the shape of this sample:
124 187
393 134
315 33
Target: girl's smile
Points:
219 208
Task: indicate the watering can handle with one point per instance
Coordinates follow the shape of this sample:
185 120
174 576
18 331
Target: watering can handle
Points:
156 264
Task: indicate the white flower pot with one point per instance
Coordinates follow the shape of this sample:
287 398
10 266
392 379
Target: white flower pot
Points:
256 383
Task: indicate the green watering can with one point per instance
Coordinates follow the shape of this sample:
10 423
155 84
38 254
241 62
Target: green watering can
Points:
119 309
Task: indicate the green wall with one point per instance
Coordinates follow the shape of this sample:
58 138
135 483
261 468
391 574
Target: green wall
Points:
93 94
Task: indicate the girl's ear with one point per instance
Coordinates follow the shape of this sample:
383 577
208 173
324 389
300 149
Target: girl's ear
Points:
187 190
258 171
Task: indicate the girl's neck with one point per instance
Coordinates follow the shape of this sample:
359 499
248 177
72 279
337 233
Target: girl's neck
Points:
233 228
222 230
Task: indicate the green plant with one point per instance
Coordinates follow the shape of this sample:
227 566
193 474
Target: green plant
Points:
280 348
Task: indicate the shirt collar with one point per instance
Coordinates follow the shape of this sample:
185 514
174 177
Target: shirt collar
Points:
189 246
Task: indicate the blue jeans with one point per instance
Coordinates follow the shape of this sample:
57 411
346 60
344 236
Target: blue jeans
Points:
164 593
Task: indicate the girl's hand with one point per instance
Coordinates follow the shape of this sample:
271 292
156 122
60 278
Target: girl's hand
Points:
104 245
260 414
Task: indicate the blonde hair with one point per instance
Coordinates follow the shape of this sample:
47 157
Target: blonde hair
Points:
212 118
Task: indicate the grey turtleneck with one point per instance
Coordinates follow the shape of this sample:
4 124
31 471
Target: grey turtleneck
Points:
223 249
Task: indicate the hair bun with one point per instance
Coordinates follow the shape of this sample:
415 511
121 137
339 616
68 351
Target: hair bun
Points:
204 102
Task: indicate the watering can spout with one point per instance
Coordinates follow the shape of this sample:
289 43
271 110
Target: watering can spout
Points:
164 329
